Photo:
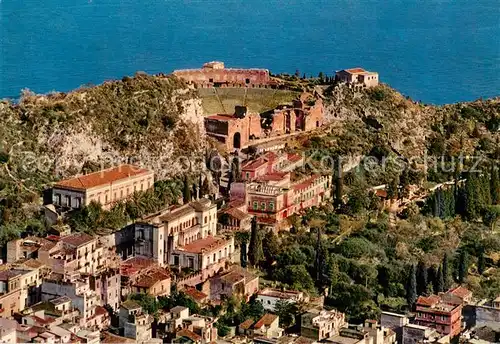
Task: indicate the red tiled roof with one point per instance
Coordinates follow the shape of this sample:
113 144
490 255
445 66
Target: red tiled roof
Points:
195 294
100 178
221 117
236 213
275 176
151 278
428 300
77 239
355 70
460 292
209 243
42 321
135 264
292 157
266 320
266 220
189 334
100 311
306 183
245 325
381 193
254 164
270 156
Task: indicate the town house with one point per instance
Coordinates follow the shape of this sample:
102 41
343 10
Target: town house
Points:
319 324
432 312
357 76
82 297
158 235
105 187
269 297
77 252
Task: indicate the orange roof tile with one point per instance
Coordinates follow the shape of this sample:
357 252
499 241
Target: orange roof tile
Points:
254 164
306 183
221 117
428 300
100 178
266 320
292 157
460 292
198 246
195 294
149 279
77 239
275 176
245 325
188 334
355 70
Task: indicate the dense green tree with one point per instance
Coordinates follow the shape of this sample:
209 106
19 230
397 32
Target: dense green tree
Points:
255 254
481 265
491 216
286 311
296 276
411 286
146 301
270 247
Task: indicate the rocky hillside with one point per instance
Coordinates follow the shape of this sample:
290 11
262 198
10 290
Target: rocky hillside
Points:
153 120
381 120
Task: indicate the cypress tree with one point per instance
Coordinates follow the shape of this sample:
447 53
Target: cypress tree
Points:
462 266
421 278
339 182
440 281
255 253
495 185
186 194
411 287
243 254
446 272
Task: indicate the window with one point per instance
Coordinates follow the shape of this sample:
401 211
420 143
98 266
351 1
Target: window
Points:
247 81
211 80
206 219
121 193
255 205
263 205
271 206
57 199
247 175
67 200
106 199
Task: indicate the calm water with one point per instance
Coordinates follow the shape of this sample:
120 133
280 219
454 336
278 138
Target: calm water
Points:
433 50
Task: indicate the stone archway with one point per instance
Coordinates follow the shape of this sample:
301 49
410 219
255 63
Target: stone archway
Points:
237 140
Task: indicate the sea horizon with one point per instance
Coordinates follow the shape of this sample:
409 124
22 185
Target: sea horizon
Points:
429 51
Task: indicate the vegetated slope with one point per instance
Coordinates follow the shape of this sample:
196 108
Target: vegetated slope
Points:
380 121
153 120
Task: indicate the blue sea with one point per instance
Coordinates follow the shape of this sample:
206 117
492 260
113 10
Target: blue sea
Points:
436 51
